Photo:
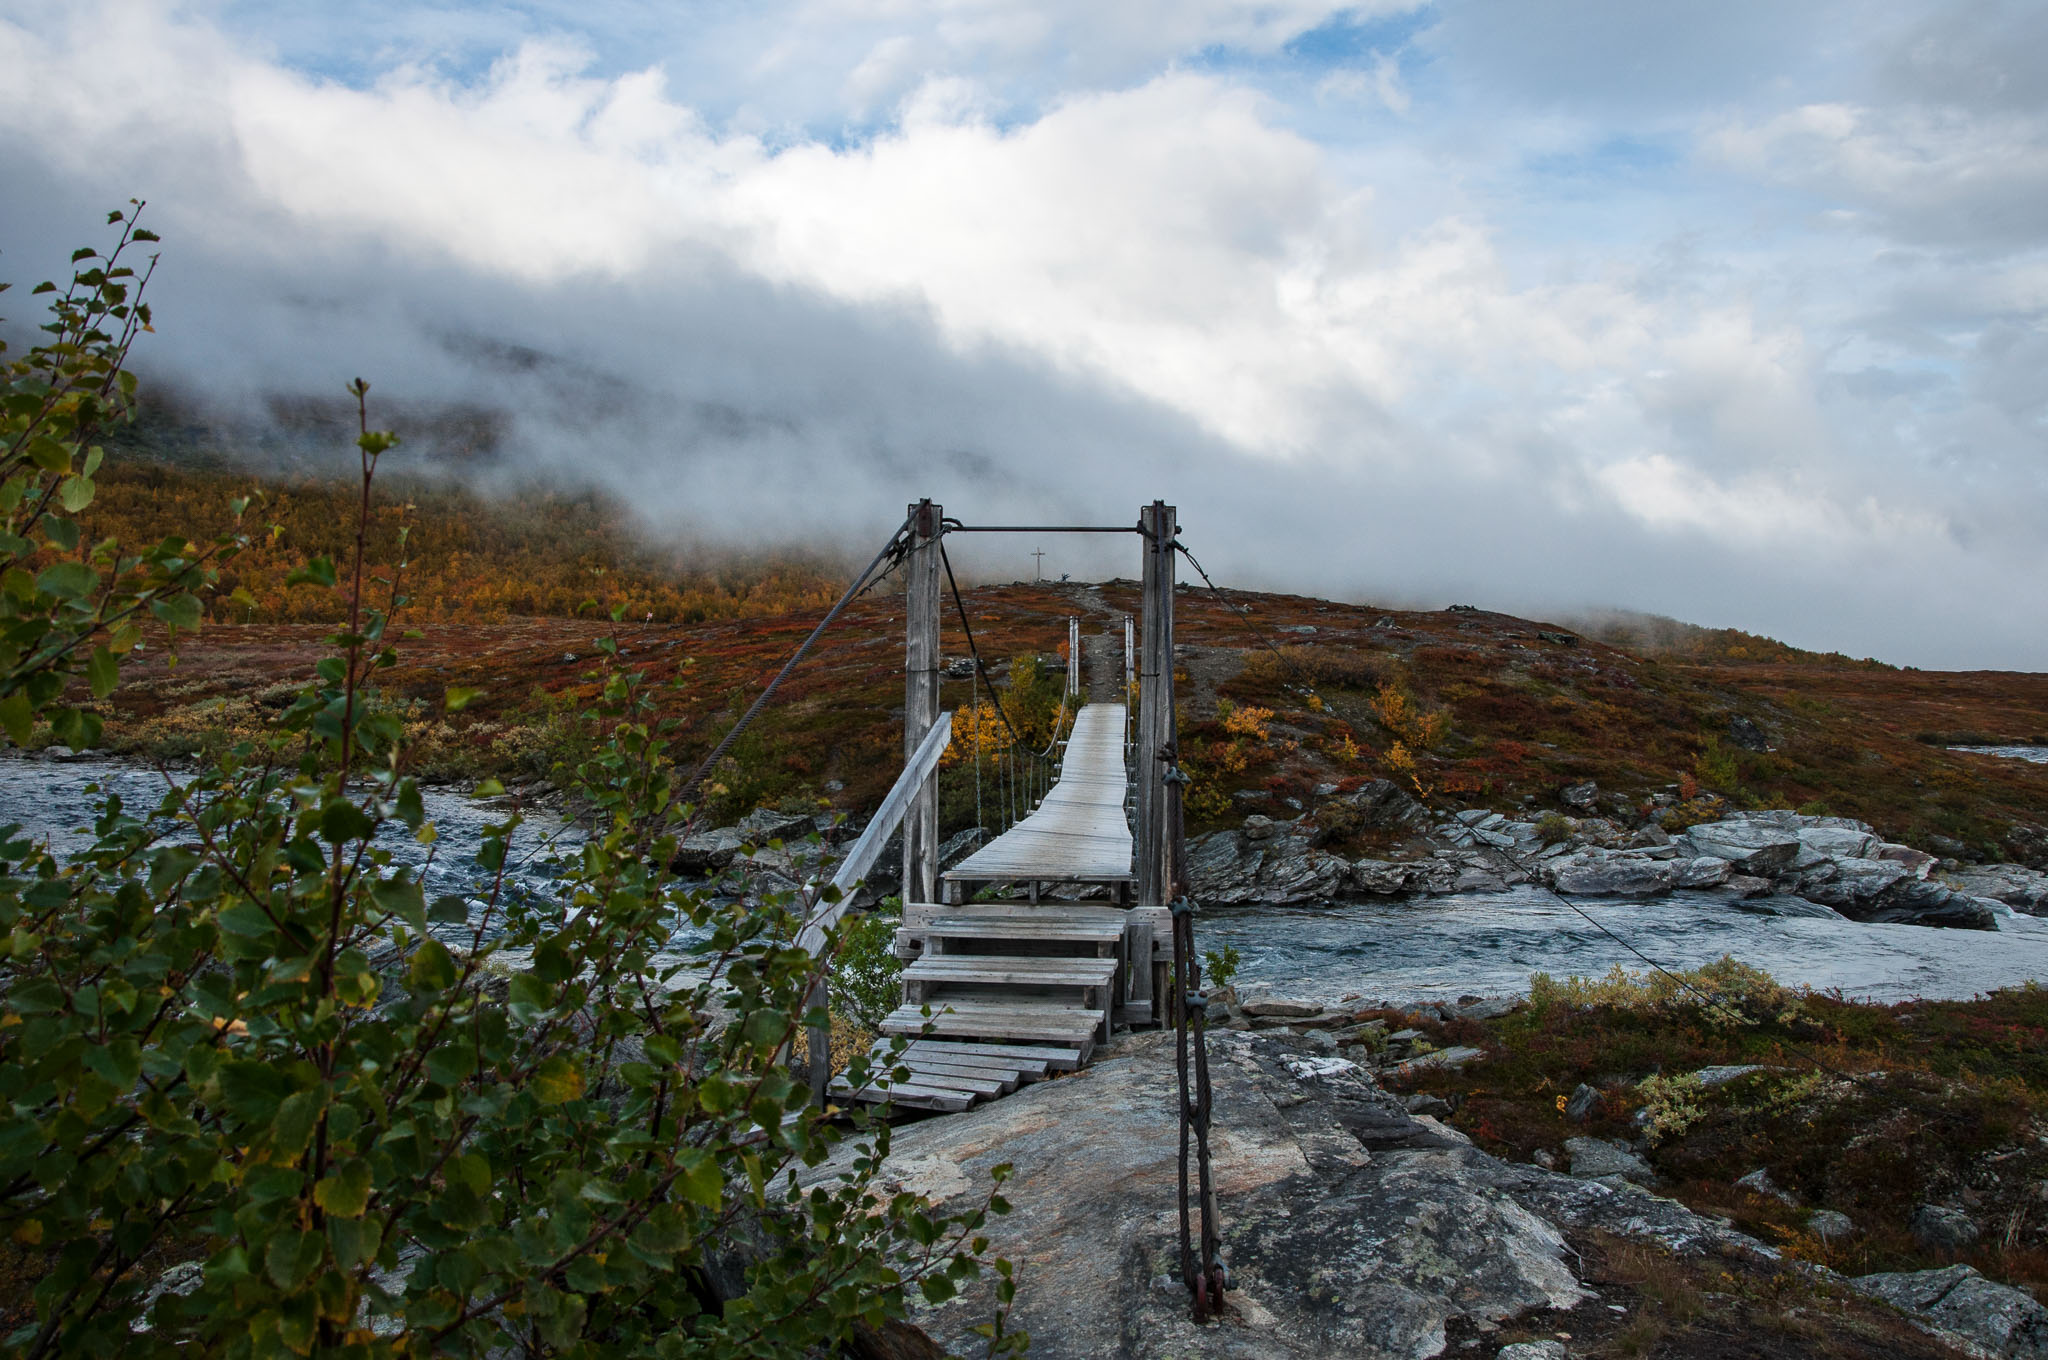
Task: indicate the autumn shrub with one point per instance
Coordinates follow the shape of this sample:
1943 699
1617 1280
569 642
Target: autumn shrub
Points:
1250 722
1411 724
260 1095
1726 992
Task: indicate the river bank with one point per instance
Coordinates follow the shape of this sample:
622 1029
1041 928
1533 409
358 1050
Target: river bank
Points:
1395 950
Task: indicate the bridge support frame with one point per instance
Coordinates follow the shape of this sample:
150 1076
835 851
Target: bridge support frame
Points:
921 695
1159 524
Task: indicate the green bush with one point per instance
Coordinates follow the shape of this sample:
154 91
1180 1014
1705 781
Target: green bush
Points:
238 1039
868 981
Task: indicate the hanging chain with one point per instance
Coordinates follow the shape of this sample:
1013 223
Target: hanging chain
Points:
1201 1263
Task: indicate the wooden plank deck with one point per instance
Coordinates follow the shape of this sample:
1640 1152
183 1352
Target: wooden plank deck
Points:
1016 991
1079 833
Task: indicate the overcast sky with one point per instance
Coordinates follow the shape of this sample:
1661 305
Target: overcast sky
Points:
1732 311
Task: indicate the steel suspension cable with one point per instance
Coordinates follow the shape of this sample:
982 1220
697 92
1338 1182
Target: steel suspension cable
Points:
1717 1005
894 545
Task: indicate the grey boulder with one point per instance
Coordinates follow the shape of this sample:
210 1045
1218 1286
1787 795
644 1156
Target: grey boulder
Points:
1923 902
1382 877
1838 842
1941 1229
2004 1321
1532 1350
1831 1224
1355 1228
2017 886
765 824
1700 871
1749 846
1593 875
1853 883
1595 1158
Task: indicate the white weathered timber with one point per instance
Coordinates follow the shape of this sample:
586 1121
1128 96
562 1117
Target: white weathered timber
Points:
1160 524
854 868
921 694
902 797
1078 834
1059 932
930 1076
1008 971
1058 1059
1003 1079
1038 1023
917 1097
1014 1071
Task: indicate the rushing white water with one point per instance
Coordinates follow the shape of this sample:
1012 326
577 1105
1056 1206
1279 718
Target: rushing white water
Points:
1490 944
1398 950
2036 754
58 799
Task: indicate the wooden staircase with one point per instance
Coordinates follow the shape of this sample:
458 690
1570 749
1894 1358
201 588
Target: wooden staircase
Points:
998 994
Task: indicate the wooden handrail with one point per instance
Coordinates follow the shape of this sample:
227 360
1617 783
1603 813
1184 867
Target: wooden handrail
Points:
880 827
917 772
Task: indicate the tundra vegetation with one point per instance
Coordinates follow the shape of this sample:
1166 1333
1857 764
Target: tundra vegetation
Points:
260 1094
1870 1111
1477 708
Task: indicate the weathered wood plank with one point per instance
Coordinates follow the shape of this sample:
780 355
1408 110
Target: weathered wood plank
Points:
1071 932
1005 970
918 1097
1078 833
1048 1024
1004 1079
1060 1059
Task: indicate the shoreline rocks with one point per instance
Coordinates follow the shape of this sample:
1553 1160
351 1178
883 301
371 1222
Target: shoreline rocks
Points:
1776 862
1788 863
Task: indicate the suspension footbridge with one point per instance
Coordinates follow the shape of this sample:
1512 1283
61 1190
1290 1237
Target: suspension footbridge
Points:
1022 958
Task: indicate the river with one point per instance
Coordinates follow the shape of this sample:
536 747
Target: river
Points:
1397 950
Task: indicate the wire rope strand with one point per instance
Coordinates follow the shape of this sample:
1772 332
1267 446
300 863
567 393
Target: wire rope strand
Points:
1718 1005
725 743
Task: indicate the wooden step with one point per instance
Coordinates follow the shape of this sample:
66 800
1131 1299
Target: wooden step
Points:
988 1081
1034 1022
1020 928
1089 914
1031 1059
941 1098
1005 970
936 1076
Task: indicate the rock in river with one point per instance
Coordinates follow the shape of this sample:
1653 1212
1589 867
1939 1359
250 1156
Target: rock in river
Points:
1609 876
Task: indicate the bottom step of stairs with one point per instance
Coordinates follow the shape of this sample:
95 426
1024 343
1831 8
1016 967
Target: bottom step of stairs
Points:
939 1075
1016 1020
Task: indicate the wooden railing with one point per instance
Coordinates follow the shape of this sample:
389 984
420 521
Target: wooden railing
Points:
917 773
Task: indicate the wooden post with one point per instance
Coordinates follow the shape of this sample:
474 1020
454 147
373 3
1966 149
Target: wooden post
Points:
1159 525
921 698
1073 656
1130 669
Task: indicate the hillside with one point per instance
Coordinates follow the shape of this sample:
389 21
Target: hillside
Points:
1473 708
1280 695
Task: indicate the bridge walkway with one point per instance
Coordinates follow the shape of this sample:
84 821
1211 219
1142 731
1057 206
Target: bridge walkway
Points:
996 993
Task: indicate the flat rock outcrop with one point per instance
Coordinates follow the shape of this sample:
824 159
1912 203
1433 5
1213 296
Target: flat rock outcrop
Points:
1995 1319
1351 1226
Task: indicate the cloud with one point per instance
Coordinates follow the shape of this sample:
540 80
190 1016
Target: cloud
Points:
1939 175
1371 364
